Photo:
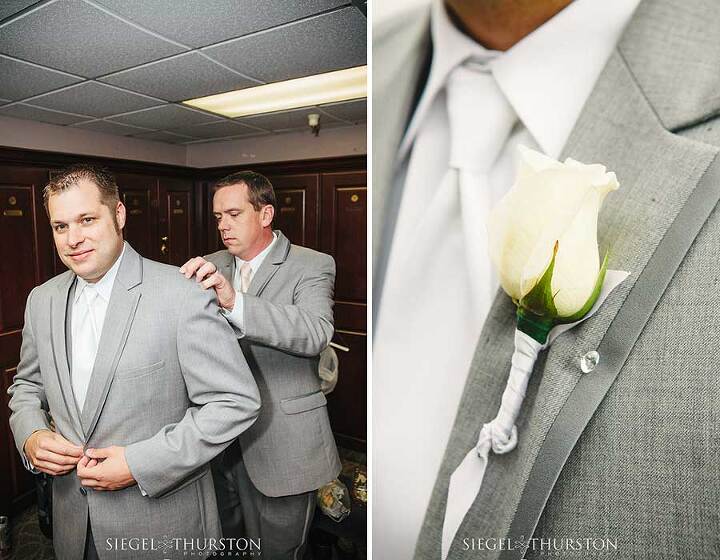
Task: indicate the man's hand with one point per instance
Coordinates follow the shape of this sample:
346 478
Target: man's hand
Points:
51 453
105 469
207 275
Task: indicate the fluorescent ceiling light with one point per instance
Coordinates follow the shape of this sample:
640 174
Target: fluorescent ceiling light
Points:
331 87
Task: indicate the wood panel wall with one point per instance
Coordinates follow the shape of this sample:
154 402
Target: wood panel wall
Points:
322 204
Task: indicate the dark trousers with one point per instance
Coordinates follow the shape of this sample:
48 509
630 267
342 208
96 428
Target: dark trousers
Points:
90 551
281 523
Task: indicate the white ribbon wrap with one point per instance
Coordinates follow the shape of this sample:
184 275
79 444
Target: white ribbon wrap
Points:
500 434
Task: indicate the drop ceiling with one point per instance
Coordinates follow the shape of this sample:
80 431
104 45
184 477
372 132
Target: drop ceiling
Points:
122 66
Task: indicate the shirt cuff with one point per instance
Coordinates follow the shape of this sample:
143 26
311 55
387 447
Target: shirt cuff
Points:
235 316
28 465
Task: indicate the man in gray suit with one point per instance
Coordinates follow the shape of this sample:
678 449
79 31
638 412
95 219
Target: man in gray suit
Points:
140 403
625 455
278 297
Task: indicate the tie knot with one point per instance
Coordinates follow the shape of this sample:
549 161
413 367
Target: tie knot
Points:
91 293
480 117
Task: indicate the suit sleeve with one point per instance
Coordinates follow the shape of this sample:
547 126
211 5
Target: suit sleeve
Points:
28 404
225 400
304 328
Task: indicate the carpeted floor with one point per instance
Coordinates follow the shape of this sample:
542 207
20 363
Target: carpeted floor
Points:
28 542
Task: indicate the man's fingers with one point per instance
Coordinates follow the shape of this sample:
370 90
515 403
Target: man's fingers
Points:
92 483
61 446
205 270
190 267
100 453
52 468
215 280
57 458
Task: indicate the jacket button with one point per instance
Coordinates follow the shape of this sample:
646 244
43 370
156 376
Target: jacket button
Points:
589 361
83 491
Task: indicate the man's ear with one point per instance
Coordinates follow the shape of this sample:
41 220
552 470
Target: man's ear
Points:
120 215
267 215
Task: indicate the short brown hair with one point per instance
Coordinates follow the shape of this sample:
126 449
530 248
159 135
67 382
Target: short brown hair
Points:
71 176
260 190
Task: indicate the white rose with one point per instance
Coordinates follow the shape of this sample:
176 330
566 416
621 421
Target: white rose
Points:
550 202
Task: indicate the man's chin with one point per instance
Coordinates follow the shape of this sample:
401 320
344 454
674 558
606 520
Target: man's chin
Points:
232 246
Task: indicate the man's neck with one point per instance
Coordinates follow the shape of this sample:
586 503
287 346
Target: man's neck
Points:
262 244
499 24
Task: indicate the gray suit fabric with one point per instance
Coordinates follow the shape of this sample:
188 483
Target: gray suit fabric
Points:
157 388
282 523
644 471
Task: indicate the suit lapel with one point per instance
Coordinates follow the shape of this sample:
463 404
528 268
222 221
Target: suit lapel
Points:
270 264
60 340
658 172
395 82
118 320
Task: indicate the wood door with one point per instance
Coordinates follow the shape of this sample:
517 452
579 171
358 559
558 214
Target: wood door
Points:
20 480
343 234
176 211
298 206
139 194
26 259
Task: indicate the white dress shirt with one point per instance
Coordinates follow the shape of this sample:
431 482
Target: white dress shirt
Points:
82 361
419 370
236 315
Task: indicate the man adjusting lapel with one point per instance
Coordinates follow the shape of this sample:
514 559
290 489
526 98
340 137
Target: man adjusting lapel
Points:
278 297
140 404
457 88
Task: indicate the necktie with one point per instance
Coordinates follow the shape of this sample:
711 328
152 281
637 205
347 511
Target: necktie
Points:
245 272
473 151
85 339
439 286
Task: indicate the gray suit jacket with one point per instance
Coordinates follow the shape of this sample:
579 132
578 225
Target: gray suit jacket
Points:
156 388
628 452
288 321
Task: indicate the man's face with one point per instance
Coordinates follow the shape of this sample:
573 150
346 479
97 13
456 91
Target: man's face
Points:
241 226
87 233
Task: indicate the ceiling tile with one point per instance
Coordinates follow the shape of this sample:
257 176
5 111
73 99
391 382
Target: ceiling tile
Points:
351 111
165 116
198 22
21 80
215 130
10 7
110 127
20 111
163 136
73 36
180 78
321 44
286 120
92 98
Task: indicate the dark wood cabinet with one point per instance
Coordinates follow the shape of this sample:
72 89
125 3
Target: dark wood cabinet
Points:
298 205
175 220
343 235
139 195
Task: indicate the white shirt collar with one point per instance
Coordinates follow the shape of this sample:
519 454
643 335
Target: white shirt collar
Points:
547 76
103 286
258 259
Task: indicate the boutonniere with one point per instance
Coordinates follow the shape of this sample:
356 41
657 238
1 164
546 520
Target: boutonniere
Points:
543 243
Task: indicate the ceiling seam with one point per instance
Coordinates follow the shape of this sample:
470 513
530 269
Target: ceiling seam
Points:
26 11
